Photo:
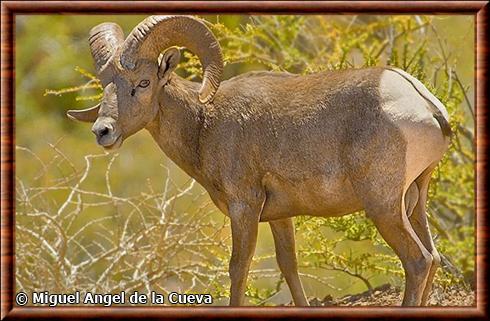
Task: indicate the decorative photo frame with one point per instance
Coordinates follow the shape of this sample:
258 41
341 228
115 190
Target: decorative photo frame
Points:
12 8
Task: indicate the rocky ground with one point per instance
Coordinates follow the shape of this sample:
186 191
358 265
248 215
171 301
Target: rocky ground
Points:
387 295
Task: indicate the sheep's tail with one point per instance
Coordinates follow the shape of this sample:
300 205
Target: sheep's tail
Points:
438 110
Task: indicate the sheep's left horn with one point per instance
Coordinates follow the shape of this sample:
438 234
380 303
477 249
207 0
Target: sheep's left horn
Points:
156 33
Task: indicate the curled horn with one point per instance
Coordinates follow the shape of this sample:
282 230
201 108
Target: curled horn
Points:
156 33
104 40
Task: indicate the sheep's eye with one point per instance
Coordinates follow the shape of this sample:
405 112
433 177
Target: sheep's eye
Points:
144 83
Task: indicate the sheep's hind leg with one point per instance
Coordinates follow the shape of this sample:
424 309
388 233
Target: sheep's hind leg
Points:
419 222
283 232
393 225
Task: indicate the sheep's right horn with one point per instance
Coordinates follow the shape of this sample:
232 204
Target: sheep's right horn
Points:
87 115
104 40
156 33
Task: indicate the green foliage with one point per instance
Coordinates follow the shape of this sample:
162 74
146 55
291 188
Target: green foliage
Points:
92 83
303 45
344 254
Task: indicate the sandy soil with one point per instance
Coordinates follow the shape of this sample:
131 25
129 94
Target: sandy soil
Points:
387 295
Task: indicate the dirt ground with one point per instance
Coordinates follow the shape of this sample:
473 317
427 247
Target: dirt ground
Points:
387 295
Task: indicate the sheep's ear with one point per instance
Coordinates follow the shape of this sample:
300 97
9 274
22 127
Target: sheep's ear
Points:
170 60
88 115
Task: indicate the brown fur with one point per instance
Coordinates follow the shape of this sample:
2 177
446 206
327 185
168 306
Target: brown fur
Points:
270 146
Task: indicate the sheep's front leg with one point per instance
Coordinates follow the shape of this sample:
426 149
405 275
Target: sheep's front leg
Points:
283 233
244 227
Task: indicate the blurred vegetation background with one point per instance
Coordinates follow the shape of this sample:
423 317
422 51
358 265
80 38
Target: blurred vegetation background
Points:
92 221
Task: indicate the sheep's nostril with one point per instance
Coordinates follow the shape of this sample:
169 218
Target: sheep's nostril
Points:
104 131
100 131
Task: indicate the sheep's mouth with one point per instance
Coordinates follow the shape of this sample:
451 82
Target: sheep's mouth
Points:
115 145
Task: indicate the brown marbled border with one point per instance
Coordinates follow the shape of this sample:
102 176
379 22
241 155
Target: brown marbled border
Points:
10 8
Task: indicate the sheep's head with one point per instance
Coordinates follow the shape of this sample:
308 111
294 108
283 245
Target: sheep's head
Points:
132 77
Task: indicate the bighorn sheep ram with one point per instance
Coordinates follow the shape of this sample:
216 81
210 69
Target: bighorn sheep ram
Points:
268 146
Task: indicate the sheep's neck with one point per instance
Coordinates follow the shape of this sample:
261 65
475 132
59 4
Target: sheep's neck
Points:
177 125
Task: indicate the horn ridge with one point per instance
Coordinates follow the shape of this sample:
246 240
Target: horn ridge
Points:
156 33
104 39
